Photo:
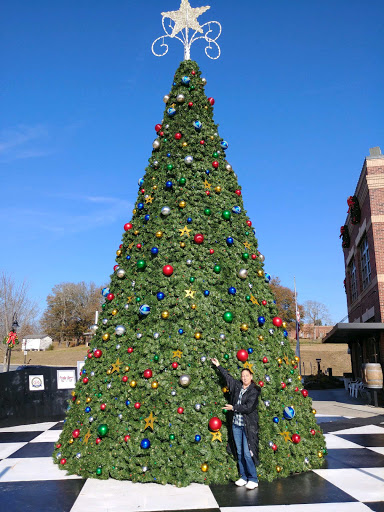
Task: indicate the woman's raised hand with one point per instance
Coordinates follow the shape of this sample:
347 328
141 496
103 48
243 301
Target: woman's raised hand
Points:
215 361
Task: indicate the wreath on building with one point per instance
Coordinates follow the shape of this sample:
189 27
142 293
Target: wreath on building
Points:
354 209
344 235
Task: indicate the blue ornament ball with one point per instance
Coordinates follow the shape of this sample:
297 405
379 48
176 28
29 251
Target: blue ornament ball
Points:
197 438
127 402
140 206
146 218
288 413
87 409
207 171
141 182
229 240
197 125
128 257
285 334
105 291
267 277
154 250
171 111
224 144
236 209
206 293
276 419
185 80
181 331
160 296
168 155
250 350
189 220
261 320
145 443
169 184
144 310
232 290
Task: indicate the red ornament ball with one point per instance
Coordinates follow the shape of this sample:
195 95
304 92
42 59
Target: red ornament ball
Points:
215 424
261 383
103 407
76 433
238 192
274 447
147 373
277 321
137 405
215 164
193 73
207 192
211 251
98 440
283 385
58 445
90 355
143 190
178 136
202 142
211 101
85 380
129 350
249 223
127 438
120 246
296 389
180 410
174 365
313 431
304 392
168 270
264 302
98 353
190 104
63 461
158 127
296 438
128 226
139 246
110 296
242 355
265 359
125 378
115 267
198 238
161 134
253 256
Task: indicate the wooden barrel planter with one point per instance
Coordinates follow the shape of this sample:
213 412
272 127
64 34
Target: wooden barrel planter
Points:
373 375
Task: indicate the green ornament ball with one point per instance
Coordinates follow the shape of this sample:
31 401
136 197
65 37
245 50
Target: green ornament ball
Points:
172 437
99 395
141 264
138 299
192 279
207 211
165 140
156 358
170 167
98 471
102 430
224 411
226 357
192 87
217 269
245 256
248 298
247 233
226 214
292 372
182 181
215 154
103 306
228 317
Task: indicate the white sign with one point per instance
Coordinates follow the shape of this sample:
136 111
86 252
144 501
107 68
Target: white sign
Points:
36 382
66 379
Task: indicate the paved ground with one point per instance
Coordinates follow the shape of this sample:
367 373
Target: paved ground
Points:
351 481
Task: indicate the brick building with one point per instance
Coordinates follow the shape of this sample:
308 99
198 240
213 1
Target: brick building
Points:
363 246
309 331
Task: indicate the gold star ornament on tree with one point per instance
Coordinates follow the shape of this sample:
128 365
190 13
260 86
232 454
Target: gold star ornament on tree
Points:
185 17
216 436
185 231
149 421
116 366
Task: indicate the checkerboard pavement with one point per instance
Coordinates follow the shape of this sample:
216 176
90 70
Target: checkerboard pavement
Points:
352 479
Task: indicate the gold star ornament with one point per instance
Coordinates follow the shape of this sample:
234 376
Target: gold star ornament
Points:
185 17
286 435
116 366
86 437
249 366
177 353
185 231
216 436
149 421
190 293
148 199
254 300
247 245
206 184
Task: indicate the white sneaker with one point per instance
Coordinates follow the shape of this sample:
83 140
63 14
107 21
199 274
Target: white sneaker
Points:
252 485
241 482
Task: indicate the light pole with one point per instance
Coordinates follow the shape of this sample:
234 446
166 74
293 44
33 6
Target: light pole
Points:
15 325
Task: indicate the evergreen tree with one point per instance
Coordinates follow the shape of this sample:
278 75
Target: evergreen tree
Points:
189 285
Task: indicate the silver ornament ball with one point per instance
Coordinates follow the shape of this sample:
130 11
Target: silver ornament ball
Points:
78 455
180 98
118 346
188 160
144 468
165 210
173 392
139 335
306 460
267 378
126 306
250 285
267 403
203 359
184 381
203 81
156 164
93 328
166 98
119 330
222 336
92 374
271 443
282 343
120 272
90 419
120 416
261 257
109 385
271 331
228 167
189 262
243 273
104 321
289 380
198 407
156 144
166 126
156 335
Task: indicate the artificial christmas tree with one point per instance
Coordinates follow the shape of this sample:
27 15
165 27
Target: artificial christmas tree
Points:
188 285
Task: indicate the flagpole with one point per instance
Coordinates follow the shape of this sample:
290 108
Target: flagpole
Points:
297 352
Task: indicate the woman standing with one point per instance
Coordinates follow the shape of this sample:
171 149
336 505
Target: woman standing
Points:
244 418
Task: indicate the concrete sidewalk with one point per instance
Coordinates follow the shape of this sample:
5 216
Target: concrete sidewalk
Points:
338 402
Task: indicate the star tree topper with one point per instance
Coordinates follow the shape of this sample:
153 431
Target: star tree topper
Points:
183 20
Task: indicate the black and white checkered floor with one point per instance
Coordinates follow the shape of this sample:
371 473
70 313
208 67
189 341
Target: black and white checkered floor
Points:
351 481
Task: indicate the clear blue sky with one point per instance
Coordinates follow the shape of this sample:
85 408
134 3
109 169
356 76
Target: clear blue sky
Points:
299 97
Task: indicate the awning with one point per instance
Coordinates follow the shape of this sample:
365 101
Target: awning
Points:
345 333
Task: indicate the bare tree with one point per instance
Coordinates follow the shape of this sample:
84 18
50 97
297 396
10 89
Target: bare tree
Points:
14 299
316 313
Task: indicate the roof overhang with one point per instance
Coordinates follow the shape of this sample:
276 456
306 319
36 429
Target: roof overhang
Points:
346 333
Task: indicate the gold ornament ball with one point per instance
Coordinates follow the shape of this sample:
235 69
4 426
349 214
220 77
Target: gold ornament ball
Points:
279 360
134 211
297 359
154 187
260 338
284 324
184 144
114 312
136 232
126 368
314 411
165 314
109 371
204 468
118 252
70 441
320 454
260 273
182 245
193 306
105 336
225 390
159 234
182 204
244 327
197 335
133 383
299 377
293 362
78 402
278 469
154 384
211 137
218 189
73 393
88 399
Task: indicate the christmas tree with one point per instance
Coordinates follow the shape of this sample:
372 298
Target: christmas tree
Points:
189 284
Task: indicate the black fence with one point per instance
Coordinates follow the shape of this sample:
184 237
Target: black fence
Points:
20 405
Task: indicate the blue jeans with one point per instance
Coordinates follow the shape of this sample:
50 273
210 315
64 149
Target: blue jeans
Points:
247 468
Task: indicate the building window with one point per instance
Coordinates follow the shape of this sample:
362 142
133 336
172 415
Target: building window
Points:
353 280
365 263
